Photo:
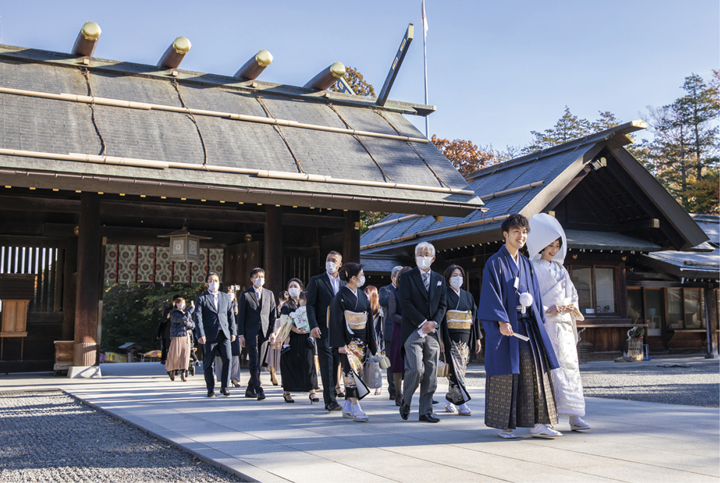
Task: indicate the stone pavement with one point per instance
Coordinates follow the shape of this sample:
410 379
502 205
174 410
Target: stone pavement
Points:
272 441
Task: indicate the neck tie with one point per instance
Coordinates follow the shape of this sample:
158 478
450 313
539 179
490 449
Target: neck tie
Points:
426 280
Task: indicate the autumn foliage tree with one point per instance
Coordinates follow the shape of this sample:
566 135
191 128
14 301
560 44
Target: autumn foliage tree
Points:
466 156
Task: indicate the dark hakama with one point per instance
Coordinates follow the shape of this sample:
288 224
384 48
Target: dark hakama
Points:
297 365
461 330
351 325
397 364
518 388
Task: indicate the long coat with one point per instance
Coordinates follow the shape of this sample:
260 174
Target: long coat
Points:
498 303
419 304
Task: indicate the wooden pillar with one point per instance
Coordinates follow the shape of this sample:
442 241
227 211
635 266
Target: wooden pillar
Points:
89 272
351 237
69 289
273 252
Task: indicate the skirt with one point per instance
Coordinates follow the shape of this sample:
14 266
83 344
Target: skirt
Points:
178 356
397 364
526 399
297 366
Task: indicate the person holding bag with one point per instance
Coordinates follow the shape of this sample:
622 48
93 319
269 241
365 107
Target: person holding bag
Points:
352 334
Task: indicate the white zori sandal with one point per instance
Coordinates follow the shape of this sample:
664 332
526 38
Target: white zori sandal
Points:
544 431
450 407
463 410
577 424
507 434
358 415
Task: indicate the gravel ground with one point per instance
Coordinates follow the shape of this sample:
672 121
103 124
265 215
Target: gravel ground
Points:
686 383
50 436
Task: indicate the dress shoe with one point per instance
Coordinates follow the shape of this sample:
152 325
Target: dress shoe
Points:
429 418
391 397
404 411
333 406
211 393
260 395
251 393
340 395
435 402
235 383
225 391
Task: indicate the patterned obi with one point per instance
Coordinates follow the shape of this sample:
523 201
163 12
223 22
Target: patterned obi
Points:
356 320
459 319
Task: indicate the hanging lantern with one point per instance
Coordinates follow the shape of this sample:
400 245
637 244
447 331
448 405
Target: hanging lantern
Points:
184 247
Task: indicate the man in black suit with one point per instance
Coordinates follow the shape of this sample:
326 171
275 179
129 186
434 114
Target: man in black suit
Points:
320 292
215 326
257 312
385 293
422 297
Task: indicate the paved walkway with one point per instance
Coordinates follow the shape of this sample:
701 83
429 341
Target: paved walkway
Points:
272 441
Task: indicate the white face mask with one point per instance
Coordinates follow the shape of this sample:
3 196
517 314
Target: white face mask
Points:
423 263
181 306
213 286
294 292
361 281
232 296
259 282
331 267
456 282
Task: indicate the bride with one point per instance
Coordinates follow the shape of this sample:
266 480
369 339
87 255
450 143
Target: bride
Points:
547 247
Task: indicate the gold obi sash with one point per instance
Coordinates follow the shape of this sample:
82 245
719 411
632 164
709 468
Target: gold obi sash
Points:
459 319
356 320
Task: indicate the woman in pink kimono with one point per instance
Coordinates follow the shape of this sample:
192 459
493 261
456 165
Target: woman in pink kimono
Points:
547 247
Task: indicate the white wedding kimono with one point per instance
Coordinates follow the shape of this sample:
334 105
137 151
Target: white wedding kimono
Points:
557 288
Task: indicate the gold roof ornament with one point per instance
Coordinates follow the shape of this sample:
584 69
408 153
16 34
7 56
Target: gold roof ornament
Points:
87 39
175 54
327 77
254 66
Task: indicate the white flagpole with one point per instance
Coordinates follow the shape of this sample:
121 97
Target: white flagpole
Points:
425 29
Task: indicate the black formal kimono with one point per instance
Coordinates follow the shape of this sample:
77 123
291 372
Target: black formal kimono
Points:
461 330
351 325
298 364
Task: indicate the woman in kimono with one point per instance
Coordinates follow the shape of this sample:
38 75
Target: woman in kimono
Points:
461 336
297 359
178 357
397 363
547 247
352 334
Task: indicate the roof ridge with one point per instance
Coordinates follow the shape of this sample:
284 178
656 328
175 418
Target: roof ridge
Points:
625 128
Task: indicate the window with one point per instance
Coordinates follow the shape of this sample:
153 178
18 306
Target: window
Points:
605 290
635 305
686 308
596 289
654 310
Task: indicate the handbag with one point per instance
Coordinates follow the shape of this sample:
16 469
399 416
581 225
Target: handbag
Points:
383 361
372 376
443 369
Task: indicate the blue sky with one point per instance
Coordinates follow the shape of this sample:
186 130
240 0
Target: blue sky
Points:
497 69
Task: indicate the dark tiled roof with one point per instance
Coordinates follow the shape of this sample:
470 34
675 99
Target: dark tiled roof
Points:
603 240
63 127
537 179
